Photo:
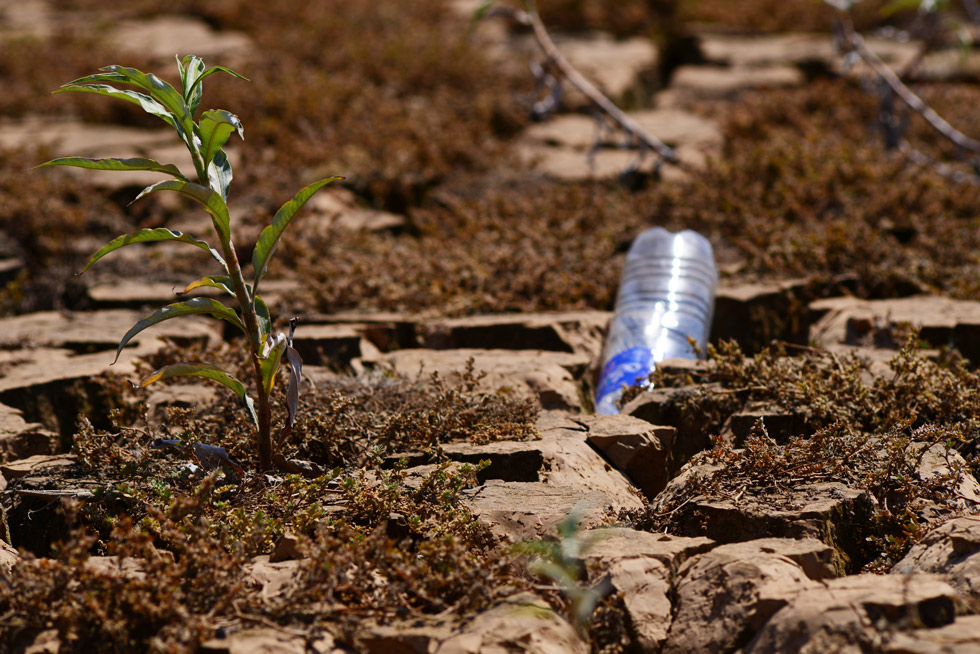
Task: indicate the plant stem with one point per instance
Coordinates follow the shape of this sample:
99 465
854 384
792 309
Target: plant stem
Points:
263 411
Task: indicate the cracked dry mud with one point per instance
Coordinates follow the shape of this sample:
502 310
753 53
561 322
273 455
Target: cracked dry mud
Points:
739 571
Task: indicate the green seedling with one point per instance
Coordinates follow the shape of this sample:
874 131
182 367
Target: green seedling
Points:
561 562
205 138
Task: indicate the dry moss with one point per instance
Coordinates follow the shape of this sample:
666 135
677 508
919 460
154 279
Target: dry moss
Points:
377 544
864 428
652 17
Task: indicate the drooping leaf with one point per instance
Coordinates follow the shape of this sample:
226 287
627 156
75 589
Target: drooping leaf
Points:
191 68
295 376
220 175
207 371
216 127
292 391
250 405
149 236
212 281
270 236
209 199
209 456
197 305
147 103
136 163
264 318
215 456
161 443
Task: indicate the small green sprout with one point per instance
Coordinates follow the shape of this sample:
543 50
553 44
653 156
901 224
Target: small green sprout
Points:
205 139
561 562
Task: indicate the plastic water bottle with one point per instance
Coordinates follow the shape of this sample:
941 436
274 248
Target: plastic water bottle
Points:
666 295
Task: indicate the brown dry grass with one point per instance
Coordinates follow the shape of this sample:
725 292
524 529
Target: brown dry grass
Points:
393 96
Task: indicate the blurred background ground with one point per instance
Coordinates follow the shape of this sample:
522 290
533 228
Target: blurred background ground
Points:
446 212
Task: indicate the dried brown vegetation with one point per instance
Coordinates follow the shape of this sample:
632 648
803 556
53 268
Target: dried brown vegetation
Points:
659 18
862 427
377 541
420 121
181 565
803 187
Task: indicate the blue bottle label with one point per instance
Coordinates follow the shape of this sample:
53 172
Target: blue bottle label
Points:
626 368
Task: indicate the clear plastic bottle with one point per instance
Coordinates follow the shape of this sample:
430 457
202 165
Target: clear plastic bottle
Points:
666 295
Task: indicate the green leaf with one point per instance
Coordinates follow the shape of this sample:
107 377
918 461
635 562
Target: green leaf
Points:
197 305
262 314
216 127
191 68
160 90
270 236
206 370
212 281
217 69
136 163
149 236
220 175
148 104
209 199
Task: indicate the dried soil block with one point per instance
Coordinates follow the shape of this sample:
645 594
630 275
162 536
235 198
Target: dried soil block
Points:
829 512
32 501
951 550
20 439
780 424
671 407
574 331
856 614
551 377
642 566
731 591
50 378
572 476
753 314
521 623
638 449
267 639
853 322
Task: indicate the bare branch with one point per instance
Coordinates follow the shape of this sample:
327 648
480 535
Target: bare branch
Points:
530 18
857 44
627 124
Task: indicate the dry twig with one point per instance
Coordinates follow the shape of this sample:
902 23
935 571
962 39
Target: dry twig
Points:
914 102
854 43
530 18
